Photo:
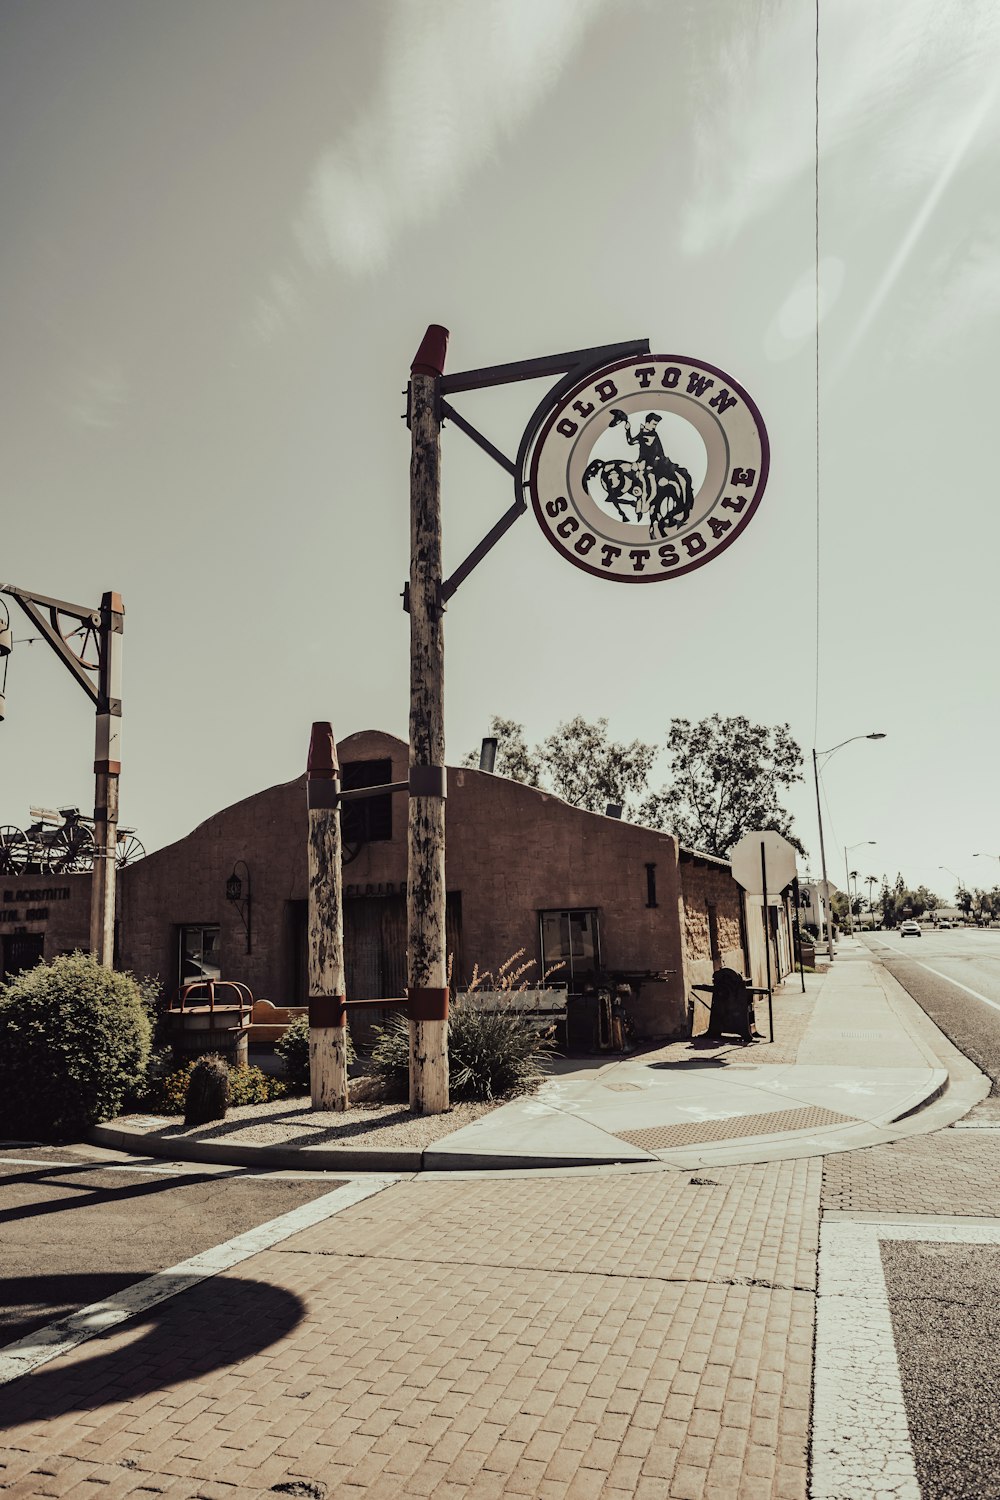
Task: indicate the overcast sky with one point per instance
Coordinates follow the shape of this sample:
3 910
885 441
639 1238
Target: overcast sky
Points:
227 224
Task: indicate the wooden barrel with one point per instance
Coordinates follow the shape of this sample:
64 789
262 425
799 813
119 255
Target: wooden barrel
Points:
195 1033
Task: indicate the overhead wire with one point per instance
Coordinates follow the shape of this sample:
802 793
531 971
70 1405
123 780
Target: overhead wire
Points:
817 369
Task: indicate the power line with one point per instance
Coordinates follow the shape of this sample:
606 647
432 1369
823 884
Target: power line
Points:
816 289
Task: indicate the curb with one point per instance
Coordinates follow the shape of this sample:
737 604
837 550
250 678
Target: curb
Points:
327 1159
281 1158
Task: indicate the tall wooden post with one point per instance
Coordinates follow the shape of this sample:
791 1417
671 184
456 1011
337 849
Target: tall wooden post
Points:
107 769
327 1011
427 988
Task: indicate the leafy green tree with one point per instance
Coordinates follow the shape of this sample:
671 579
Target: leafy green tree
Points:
727 774
578 763
584 767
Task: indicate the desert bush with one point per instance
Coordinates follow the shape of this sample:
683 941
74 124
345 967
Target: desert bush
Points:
167 1094
293 1049
207 1090
74 1042
248 1086
492 1054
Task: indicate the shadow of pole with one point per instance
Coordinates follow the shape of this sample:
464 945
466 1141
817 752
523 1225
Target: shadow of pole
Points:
209 1327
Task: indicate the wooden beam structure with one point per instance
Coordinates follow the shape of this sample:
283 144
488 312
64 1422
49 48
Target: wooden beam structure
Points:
327 1009
427 960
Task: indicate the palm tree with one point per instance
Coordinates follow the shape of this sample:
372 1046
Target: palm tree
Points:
871 880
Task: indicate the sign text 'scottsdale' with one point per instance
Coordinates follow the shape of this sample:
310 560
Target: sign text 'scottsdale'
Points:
635 513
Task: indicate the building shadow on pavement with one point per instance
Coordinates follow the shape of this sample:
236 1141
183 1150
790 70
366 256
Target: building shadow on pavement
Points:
211 1326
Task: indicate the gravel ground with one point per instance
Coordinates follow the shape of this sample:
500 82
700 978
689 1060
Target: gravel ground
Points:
294 1122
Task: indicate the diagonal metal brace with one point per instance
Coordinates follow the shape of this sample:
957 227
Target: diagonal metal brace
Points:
29 603
477 437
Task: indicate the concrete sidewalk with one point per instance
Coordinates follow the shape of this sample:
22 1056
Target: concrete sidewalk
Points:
629 1332
855 1063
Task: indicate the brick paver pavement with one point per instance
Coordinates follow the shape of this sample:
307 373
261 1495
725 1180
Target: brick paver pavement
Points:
954 1171
571 1337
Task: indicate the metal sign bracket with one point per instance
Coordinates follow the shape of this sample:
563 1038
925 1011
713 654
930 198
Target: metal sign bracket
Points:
572 365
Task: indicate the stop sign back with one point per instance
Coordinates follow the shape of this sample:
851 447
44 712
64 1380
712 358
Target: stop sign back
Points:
779 857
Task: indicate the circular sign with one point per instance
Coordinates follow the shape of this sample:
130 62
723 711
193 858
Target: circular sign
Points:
648 468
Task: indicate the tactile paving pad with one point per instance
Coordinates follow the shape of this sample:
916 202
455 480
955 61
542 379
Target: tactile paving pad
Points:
666 1137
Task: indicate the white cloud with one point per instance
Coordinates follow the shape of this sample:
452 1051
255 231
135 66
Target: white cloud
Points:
896 79
457 77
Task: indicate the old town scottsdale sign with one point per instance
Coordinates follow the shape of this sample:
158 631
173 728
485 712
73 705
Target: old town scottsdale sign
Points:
648 468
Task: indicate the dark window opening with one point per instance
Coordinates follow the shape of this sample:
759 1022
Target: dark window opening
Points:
369 820
713 935
570 939
651 885
21 950
199 955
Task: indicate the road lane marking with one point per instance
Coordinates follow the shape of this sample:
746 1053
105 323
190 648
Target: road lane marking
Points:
861 1436
957 983
65 1333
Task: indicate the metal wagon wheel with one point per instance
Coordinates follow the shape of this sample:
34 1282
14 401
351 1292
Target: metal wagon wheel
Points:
71 850
129 849
14 850
81 636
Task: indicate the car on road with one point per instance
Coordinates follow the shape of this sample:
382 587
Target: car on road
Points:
909 929
945 922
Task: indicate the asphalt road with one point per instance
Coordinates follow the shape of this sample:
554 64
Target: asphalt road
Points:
78 1224
945 1308
955 977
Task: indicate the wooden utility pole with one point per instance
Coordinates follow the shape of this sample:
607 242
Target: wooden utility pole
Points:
107 770
327 1010
427 989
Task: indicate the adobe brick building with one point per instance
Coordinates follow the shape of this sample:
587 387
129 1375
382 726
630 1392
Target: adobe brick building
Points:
524 871
41 916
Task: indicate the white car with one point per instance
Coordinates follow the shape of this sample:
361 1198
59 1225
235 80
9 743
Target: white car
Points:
909 929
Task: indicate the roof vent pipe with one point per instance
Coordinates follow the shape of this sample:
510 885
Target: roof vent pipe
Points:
488 755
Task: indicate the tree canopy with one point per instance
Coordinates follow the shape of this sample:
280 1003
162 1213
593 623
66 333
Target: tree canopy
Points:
578 762
726 775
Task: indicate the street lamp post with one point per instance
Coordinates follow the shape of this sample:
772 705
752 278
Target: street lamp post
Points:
955 876
848 850
877 735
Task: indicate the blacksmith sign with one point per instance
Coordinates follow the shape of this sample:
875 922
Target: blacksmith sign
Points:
648 468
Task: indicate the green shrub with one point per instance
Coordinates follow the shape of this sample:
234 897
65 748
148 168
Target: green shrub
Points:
248 1086
491 1054
293 1049
74 1042
167 1094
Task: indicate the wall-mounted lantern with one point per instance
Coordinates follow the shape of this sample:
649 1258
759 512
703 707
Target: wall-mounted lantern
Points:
238 892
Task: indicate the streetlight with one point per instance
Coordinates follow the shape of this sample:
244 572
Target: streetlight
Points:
986 856
849 850
819 818
961 883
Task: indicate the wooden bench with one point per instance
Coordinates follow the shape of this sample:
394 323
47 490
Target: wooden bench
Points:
268 1022
545 1006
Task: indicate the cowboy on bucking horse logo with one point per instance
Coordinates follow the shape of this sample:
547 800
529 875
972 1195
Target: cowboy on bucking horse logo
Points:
652 483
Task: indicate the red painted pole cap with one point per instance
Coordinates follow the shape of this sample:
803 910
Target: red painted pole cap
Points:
322 761
430 357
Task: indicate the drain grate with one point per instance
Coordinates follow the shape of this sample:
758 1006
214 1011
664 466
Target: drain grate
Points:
667 1137
866 1036
622 1088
